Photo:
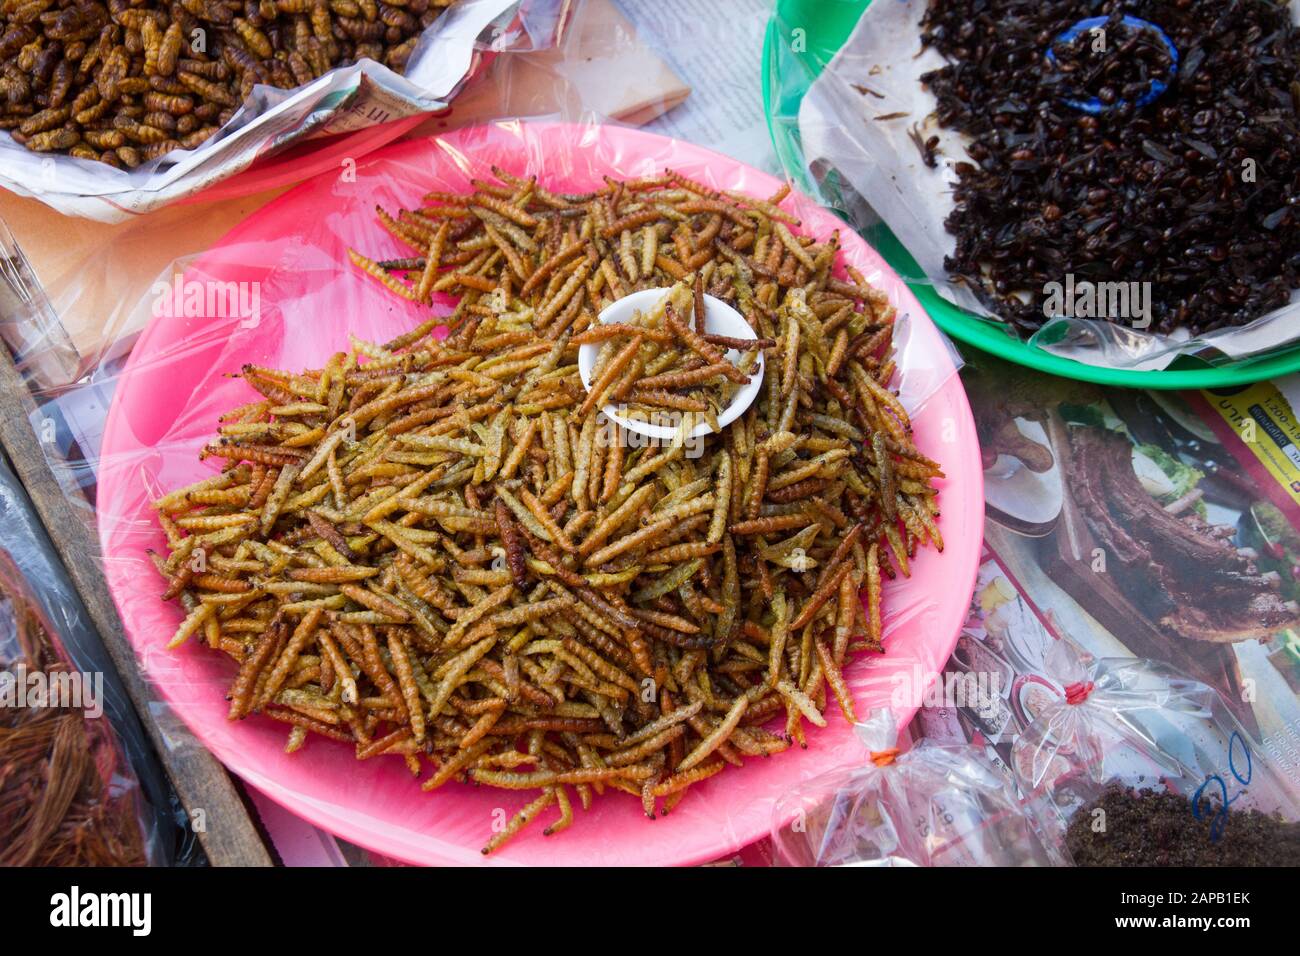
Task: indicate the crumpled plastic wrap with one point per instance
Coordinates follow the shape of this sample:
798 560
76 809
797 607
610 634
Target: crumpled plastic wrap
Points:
344 100
857 151
296 300
1140 724
935 805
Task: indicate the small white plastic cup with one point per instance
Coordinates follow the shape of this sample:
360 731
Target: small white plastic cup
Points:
719 319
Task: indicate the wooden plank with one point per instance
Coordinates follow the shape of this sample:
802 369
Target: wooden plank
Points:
231 839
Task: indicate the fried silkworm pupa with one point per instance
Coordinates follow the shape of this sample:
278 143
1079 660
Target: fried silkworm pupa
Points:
96 62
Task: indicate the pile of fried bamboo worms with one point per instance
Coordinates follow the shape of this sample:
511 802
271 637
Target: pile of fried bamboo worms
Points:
441 549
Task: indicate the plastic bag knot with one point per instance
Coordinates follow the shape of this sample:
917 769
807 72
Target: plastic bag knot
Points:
1078 692
883 758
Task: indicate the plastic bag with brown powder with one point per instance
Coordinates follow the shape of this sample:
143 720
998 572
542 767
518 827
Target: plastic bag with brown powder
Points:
1158 828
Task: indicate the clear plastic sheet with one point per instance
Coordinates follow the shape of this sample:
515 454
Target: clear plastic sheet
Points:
56 677
854 130
1139 724
288 298
345 99
936 805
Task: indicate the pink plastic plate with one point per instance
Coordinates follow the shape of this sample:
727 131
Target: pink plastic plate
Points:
308 298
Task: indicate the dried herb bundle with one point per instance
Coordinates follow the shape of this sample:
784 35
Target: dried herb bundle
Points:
126 82
1197 193
57 806
440 549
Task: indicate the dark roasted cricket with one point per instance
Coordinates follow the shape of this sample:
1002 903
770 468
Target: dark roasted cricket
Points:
127 82
1197 192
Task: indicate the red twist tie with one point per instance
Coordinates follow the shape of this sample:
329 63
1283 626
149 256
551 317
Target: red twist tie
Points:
883 758
1078 692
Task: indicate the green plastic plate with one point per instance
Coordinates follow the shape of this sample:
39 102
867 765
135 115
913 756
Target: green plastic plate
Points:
802 38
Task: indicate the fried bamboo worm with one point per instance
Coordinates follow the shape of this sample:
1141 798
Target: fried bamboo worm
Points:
739 344
820 596
836 680
372 269
678 782
718 737
406 681
551 778
241 692
513 543
696 343
601 387
433 260
699 306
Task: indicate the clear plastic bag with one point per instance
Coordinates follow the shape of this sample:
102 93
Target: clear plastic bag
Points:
935 805
68 797
1133 738
128 800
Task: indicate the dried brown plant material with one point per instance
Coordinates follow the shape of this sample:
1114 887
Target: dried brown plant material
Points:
59 802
